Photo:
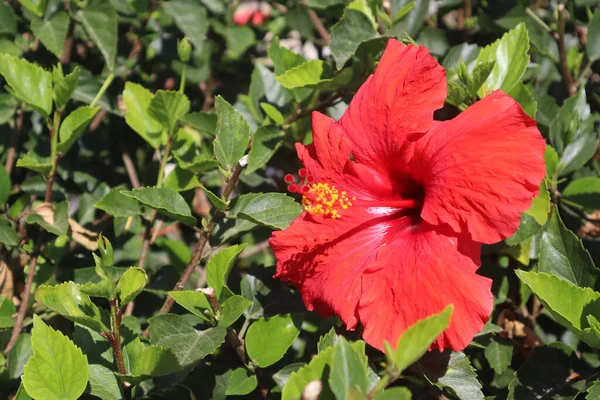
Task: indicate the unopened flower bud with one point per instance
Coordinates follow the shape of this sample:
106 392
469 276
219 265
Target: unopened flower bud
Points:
184 49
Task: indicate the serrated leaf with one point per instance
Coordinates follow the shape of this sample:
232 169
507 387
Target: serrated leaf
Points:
118 205
510 53
540 206
164 200
52 32
327 340
267 340
417 339
99 18
181 180
74 125
499 354
190 17
103 383
479 75
64 88
219 267
168 107
348 370
454 373
307 73
232 309
145 361
240 383
193 301
70 302
189 345
266 142
254 289
566 302
583 191
131 284
232 135
29 83
563 254
274 210
522 94
594 391
54 218
204 122
34 162
348 33
58 369
137 99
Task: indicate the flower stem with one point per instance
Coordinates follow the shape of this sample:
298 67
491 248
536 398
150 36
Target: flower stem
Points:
105 86
163 162
115 335
182 83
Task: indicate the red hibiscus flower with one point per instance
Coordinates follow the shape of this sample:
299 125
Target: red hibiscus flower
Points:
397 205
253 11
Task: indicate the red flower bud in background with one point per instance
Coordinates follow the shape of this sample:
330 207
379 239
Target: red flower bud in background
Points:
253 11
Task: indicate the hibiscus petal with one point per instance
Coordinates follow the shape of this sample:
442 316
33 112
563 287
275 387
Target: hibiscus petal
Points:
481 170
418 275
394 105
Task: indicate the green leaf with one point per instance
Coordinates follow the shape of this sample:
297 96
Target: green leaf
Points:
592 45
8 20
239 39
594 391
145 361
28 82
480 74
266 142
233 134
267 340
273 113
540 206
566 302
19 355
193 301
273 210
164 200
189 345
563 254
52 32
453 373
35 6
68 300
54 218
181 180
254 289
308 73
205 123
8 236
103 383
131 284
499 354
283 58
417 339
327 340
522 94
240 383
190 17
348 370
395 393
74 125
7 310
511 56
58 369
232 309
5 185
348 33
22 393
215 200
137 99
99 18
64 87
583 191
219 267
118 205
168 107
34 162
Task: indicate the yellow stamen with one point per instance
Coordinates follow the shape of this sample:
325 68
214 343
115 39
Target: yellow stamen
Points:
325 199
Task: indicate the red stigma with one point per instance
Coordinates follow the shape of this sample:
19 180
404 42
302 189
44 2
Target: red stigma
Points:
302 172
310 179
293 188
289 178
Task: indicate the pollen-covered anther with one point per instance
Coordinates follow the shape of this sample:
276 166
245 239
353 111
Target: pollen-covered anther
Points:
324 199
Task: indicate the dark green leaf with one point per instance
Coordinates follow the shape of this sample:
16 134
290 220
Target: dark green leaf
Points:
52 32
7 310
8 235
118 205
499 354
99 18
593 37
351 30
103 383
453 372
266 141
145 361
8 21
584 191
164 200
19 355
55 219
190 18
348 370
64 87
5 185
395 393
274 210
233 134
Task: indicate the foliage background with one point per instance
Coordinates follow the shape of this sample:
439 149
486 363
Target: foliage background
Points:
101 97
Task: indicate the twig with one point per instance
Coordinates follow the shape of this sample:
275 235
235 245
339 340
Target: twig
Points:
133 178
54 156
14 139
562 51
204 236
255 249
319 26
319 106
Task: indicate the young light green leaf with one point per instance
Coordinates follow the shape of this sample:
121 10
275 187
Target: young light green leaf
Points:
22 393
29 83
193 301
327 340
118 205
137 99
348 33
511 56
99 18
308 73
273 113
74 125
64 87
35 6
233 134
348 370
58 369
566 302
131 284
70 302
34 162
232 309
274 210
52 32
266 141
267 340
540 206
164 200
189 345
240 383
215 200
594 391
522 94
146 361
417 339
168 107
563 254
593 37
205 123
219 267
583 191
